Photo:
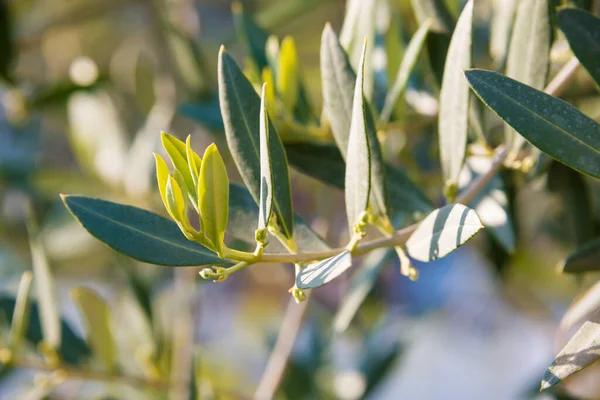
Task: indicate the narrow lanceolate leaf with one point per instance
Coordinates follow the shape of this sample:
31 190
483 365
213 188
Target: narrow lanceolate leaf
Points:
240 107
442 232
20 318
584 259
138 233
501 26
213 196
529 53
322 272
552 125
287 73
435 10
96 317
45 287
266 175
454 98
193 160
162 177
358 160
582 30
175 200
176 149
411 56
581 351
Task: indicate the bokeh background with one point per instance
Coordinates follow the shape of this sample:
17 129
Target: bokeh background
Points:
89 86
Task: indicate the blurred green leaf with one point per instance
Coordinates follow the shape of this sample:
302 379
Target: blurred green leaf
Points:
45 287
584 259
582 31
213 197
378 356
529 53
240 107
287 73
442 21
266 179
253 36
454 99
206 113
552 125
322 272
442 232
7 49
360 285
73 350
358 166
20 317
96 316
581 351
501 28
411 56
138 233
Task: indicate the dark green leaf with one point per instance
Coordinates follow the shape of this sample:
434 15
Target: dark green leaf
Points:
584 259
581 351
529 53
358 166
442 232
582 30
552 125
253 36
240 107
138 233
454 98
322 272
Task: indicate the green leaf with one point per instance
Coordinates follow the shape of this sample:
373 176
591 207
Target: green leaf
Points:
325 163
529 53
176 149
175 200
138 233
454 98
358 166
442 232
193 160
581 351
266 179
45 287
322 272
360 286
96 316
287 73
552 125
253 36
240 107
584 259
20 319
411 56
213 197
582 31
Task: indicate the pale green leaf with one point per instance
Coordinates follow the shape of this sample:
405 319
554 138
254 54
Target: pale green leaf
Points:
193 160
411 56
240 107
454 98
162 177
20 319
442 232
177 151
96 317
529 53
358 160
175 200
213 195
552 125
501 27
322 272
266 179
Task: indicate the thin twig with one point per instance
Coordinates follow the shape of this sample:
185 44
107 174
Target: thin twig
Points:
563 78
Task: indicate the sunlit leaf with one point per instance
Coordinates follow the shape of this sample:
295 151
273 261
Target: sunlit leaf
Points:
138 233
411 56
175 200
162 177
96 316
266 175
442 232
45 288
322 272
240 107
176 149
584 259
582 31
213 196
529 53
358 161
552 125
287 73
193 160
454 98
581 351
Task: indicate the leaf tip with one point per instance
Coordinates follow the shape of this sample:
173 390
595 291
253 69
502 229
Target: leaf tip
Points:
222 50
237 7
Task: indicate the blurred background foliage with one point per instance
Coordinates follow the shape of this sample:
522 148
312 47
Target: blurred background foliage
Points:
86 87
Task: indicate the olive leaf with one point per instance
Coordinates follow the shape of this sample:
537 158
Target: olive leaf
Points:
177 151
287 73
266 178
322 272
582 31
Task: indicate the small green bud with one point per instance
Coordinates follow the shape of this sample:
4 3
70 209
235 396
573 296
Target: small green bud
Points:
260 235
298 294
